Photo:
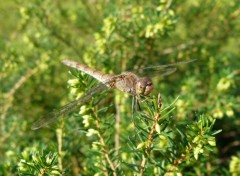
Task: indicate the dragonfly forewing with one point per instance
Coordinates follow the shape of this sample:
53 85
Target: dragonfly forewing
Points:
160 67
161 70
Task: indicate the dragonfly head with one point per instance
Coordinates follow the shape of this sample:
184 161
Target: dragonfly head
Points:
144 86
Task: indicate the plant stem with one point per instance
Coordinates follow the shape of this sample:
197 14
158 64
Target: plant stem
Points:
104 148
9 96
59 139
149 143
151 134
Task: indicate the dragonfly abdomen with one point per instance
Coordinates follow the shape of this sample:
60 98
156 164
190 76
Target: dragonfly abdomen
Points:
100 76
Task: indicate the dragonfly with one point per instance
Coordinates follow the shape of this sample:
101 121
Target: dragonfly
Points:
127 82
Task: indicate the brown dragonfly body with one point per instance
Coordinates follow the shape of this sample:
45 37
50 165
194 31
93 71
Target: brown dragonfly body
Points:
126 82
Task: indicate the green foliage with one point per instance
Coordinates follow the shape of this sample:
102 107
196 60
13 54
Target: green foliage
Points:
234 165
178 135
38 164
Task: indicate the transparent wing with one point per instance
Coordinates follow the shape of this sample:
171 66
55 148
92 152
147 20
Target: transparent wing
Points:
54 115
162 70
159 67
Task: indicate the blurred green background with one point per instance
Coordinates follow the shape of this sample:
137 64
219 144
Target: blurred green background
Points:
115 36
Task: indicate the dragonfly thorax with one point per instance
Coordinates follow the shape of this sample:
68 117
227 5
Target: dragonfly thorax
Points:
144 86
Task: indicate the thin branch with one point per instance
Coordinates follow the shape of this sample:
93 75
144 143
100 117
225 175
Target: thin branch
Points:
20 82
75 167
60 153
149 143
9 95
168 4
178 161
104 148
231 145
7 135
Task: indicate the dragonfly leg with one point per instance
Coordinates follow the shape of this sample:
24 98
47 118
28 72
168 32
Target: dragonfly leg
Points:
133 108
133 105
138 107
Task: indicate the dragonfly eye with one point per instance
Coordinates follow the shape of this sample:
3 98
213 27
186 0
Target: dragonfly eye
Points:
144 86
